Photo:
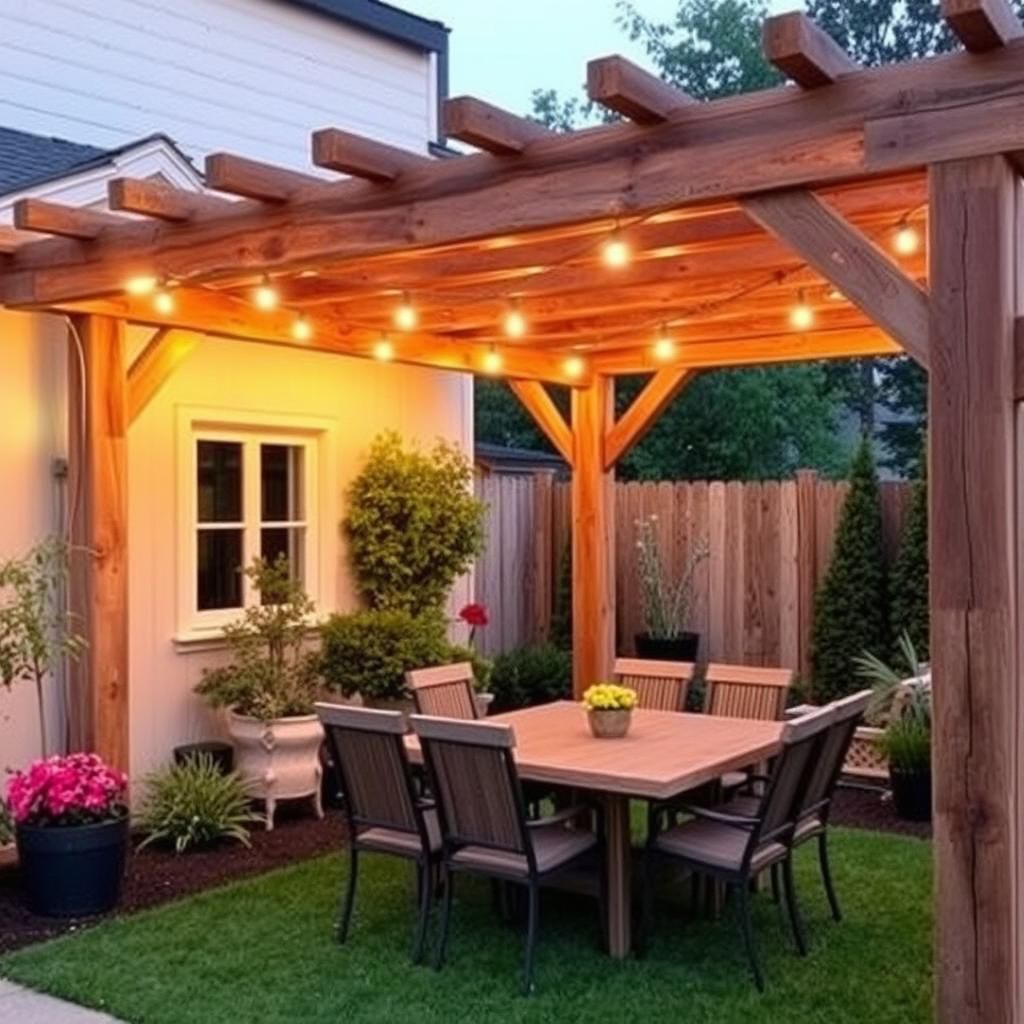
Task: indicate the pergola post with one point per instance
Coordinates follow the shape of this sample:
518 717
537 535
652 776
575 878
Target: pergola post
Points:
99 561
975 564
593 535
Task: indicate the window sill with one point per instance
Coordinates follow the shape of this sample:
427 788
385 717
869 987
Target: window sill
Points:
196 641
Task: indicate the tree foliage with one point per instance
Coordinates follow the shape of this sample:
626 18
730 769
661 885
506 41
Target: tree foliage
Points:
850 611
908 580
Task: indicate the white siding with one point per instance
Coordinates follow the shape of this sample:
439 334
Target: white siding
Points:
248 76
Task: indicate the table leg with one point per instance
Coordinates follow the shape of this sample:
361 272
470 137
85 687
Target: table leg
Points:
620 878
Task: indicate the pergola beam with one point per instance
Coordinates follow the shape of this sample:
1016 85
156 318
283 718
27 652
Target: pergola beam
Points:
488 127
361 157
644 411
539 404
633 92
152 198
77 222
851 261
803 51
153 366
982 25
226 172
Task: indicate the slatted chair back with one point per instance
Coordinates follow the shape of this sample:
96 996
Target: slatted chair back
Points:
659 685
444 692
801 740
823 776
743 691
376 780
474 779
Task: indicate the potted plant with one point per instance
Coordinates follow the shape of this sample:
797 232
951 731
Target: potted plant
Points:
609 709
71 825
666 603
268 690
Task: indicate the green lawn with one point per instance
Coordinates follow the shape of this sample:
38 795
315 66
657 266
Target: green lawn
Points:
261 951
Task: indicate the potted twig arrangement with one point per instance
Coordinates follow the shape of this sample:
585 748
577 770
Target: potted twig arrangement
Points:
609 709
666 602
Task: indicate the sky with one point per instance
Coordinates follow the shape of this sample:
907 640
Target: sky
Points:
501 50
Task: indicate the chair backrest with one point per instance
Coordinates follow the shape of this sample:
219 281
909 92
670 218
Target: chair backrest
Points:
444 692
744 691
659 685
801 739
823 774
376 781
474 780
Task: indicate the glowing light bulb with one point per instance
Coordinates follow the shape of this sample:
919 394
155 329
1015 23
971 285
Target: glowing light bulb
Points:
141 285
664 346
302 329
265 295
514 321
906 241
801 316
493 361
406 316
574 366
834 295
163 302
616 252
384 350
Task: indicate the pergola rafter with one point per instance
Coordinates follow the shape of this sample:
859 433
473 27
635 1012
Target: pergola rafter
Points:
729 206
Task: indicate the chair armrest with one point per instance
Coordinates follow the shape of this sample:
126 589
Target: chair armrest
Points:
735 820
426 803
566 814
799 710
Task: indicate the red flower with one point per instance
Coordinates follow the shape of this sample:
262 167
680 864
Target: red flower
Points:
474 615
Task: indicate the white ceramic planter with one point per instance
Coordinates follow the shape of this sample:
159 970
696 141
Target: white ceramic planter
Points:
483 703
279 760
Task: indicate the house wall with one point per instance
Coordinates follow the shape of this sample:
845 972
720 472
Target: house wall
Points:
248 76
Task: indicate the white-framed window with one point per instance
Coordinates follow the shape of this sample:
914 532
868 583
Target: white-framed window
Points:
247 491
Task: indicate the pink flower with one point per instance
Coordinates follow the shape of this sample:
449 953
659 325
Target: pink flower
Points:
72 790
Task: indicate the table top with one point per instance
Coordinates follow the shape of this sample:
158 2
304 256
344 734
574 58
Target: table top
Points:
664 754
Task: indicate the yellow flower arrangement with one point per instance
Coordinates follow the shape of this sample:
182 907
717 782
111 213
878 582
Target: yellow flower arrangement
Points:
609 697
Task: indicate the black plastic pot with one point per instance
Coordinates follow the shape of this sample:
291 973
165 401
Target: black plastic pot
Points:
73 871
681 648
223 754
912 793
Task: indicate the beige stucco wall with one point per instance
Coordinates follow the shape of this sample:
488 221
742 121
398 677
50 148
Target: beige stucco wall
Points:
357 398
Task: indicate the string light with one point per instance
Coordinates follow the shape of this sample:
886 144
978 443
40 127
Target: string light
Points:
616 252
574 366
492 361
141 285
265 295
834 295
664 346
406 316
163 301
302 329
801 316
514 321
906 240
384 350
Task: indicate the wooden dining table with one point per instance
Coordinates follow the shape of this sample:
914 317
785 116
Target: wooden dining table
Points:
664 755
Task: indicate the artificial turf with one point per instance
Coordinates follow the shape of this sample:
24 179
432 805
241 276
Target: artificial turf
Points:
262 951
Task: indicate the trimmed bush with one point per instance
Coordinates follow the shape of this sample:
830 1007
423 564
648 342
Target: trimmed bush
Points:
531 675
908 580
6 825
194 804
414 526
851 610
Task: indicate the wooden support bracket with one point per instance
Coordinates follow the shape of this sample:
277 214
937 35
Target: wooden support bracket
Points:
546 415
643 412
163 354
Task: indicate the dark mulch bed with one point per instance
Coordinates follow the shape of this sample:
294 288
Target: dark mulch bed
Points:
158 876
873 810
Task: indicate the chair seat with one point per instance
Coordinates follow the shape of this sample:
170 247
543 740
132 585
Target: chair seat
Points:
716 845
405 844
732 780
553 846
808 828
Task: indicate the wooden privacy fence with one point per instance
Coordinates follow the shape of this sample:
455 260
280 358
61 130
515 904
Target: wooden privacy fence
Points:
770 545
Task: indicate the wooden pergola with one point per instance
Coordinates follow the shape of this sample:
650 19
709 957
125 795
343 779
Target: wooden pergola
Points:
750 230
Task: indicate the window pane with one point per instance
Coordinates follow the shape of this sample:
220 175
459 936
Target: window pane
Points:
219 481
289 541
219 577
281 479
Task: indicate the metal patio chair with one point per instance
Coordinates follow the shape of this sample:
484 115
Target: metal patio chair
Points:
484 824
659 685
383 809
734 848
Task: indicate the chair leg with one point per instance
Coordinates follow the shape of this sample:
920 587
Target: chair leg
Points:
747 929
426 895
792 908
826 876
448 883
646 904
531 938
350 894
776 890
